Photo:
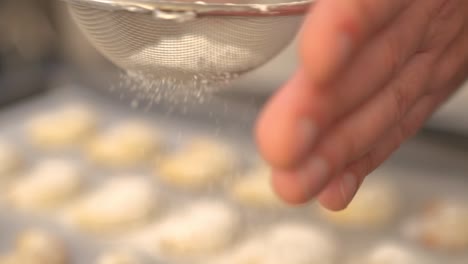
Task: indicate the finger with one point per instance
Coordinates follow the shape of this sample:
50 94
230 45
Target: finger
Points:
452 68
335 30
301 111
446 23
297 187
451 72
455 64
283 134
354 136
342 189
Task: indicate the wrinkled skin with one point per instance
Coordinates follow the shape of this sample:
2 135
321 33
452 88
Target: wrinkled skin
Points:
371 74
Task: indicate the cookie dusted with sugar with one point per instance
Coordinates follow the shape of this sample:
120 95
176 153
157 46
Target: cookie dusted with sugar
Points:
119 204
40 247
288 242
125 144
62 127
252 250
297 243
443 225
49 184
254 189
392 252
10 160
198 164
10 259
201 228
118 257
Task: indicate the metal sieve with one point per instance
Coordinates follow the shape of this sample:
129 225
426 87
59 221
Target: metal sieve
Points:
189 43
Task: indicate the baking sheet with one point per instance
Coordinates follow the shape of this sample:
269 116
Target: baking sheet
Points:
424 169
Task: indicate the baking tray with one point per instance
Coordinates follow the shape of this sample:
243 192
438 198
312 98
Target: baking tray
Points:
424 169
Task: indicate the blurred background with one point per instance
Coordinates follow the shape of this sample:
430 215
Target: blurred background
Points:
45 62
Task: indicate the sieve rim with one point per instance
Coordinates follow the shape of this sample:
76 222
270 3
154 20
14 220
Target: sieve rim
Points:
298 7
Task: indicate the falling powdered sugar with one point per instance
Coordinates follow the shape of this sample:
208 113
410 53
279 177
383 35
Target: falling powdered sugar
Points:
143 88
185 68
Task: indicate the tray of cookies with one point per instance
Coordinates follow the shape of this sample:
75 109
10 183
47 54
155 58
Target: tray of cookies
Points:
86 179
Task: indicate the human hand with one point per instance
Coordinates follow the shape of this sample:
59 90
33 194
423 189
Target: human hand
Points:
371 73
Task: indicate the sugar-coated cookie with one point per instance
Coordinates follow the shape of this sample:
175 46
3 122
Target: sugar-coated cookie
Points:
118 257
10 160
40 247
118 204
197 165
296 243
255 190
48 184
70 125
292 243
391 252
443 225
203 227
125 144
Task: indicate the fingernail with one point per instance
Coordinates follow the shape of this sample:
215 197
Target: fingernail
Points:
314 175
348 187
307 133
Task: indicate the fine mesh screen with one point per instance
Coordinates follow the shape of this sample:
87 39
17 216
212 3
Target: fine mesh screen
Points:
208 50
